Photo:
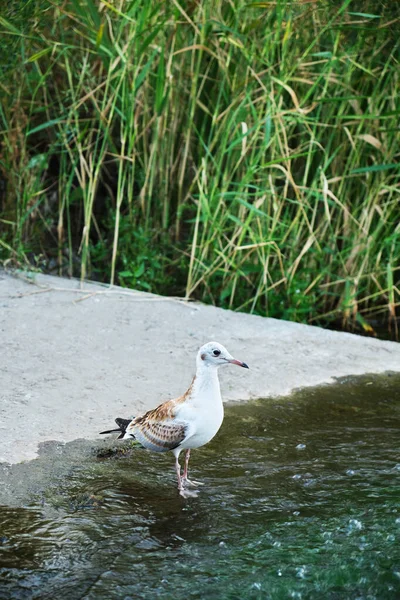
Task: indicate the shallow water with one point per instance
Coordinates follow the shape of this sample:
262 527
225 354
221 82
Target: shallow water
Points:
301 500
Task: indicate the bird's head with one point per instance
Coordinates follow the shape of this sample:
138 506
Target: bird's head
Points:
216 355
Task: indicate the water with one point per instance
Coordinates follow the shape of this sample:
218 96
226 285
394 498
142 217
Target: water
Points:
301 501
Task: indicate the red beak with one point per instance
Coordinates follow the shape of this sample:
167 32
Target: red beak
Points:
239 363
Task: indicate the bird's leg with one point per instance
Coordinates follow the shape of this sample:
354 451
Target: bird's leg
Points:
185 479
182 492
185 470
178 473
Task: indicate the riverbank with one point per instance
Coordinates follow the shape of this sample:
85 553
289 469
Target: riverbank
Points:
76 357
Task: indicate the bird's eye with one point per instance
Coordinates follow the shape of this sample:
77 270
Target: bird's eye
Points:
216 352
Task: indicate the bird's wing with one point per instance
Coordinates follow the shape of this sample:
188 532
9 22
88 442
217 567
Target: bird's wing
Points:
158 429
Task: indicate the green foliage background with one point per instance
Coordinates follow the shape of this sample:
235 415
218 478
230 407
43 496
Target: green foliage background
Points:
243 153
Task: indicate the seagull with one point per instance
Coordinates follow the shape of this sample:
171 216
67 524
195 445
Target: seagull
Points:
187 422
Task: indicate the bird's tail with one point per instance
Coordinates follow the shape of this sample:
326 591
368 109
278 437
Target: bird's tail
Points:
122 425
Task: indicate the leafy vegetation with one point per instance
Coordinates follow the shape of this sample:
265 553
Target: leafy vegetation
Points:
243 153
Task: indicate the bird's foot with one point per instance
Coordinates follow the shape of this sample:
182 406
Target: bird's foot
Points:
191 482
188 493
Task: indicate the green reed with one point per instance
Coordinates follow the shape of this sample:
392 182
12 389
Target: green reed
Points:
242 153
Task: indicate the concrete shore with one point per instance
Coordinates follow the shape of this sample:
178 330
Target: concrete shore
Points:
74 357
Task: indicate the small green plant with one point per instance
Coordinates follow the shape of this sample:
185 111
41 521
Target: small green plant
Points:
143 262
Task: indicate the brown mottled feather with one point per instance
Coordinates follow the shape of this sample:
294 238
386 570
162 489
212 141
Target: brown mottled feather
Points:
155 430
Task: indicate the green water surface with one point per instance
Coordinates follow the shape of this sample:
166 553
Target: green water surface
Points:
301 500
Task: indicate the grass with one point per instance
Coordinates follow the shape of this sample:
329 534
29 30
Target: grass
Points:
242 153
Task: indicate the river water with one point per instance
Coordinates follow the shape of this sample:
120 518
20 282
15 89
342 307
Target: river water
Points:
301 500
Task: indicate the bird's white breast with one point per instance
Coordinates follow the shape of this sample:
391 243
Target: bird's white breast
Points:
203 411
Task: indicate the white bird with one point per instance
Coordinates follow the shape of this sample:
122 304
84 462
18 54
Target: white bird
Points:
187 422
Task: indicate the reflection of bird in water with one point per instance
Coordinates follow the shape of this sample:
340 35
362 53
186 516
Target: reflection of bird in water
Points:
187 422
